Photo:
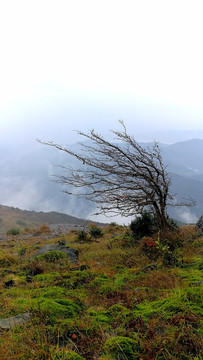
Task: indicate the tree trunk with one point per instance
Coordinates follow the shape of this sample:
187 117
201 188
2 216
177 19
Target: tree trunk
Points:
161 217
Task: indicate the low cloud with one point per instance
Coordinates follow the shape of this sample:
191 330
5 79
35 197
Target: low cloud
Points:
187 216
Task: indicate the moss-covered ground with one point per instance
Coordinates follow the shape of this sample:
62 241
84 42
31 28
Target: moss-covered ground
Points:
124 299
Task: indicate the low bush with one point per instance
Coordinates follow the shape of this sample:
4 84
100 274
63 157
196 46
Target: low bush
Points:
144 225
13 231
149 247
95 231
52 256
45 228
83 236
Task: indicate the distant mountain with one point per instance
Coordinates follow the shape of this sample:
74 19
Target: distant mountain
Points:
171 136
185 158
26 179
11 217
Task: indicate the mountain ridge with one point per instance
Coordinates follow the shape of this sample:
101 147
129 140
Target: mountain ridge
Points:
11 217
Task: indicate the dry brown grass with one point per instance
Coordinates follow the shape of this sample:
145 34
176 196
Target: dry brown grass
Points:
159 279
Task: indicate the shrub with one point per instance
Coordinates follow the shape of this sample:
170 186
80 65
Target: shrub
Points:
13 231
144 225
44 228
149 246
35 267
52 256
82 236
95 231
172 239
155 246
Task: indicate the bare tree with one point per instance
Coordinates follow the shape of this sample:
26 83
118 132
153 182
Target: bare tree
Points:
121 177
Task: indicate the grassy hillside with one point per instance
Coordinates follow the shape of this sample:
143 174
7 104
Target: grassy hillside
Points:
124 299
11 217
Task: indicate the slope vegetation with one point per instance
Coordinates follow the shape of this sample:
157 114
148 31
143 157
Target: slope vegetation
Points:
123 299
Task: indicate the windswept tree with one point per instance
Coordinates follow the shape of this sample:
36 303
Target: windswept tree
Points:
120 177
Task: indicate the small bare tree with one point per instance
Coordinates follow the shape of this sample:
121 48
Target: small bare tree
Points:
121 177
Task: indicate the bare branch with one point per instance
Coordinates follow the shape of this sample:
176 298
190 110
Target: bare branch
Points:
120 178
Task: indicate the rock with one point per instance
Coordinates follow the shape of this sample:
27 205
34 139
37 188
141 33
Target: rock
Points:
71 253
28 278
8 284
150 267
199 225
13 321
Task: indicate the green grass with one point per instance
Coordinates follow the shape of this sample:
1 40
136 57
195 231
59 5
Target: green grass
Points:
184 301
108 306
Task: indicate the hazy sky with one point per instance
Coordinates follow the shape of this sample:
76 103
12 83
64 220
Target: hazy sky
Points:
79 64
